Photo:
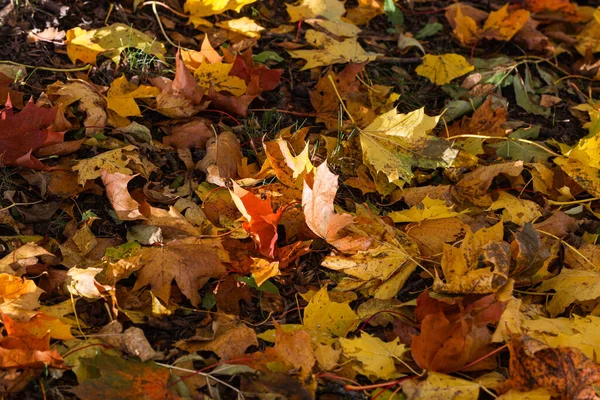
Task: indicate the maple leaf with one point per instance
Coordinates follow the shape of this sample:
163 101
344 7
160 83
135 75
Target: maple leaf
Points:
110 162
480 265
39 326
307 9
393 143
331 51
244 26
192 58
502 25
109 41
567 371
442 386
22 133
122 378
189 135
121 95
261 222
516 210
205 8
89 100
376 356
222 157
126 208
571 286
444 68
454 333
323 315
180 97
289 169
190 262
474 185
317 204
429 209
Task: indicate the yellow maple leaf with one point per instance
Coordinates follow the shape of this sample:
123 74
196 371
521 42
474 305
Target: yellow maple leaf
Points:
205 8
440 386
571 286
331 51
109 41
307 9
244 26
516 210
110 161
376 356
122 94
428 209
583 174
263 269
466 29
502 25
323 315
442 69
393 143
217 76
193 59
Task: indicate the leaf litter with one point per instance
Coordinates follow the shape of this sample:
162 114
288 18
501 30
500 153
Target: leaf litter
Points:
252 199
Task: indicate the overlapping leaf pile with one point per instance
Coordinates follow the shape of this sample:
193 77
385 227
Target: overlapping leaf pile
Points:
165 242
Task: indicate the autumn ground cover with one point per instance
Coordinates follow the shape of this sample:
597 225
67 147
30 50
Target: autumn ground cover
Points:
266 199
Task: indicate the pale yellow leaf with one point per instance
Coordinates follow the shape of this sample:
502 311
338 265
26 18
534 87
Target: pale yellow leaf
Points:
376 356
444 68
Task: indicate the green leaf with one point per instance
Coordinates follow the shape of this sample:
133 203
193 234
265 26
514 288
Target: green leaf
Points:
526 101
265 56
266 287
429 30
394 14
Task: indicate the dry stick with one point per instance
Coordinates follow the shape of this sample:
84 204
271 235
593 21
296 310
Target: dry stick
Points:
84 68
569 246
158 3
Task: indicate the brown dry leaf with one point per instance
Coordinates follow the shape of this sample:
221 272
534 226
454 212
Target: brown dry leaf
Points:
566 371
486 120
90 100
530 255
223 154
189 135
324 98
454 332
586 257
432 235
190 262
126 208
474 185
231 339
181 97
480 265
132 341
15 262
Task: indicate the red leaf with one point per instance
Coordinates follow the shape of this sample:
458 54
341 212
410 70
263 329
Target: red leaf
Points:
22 133
262 221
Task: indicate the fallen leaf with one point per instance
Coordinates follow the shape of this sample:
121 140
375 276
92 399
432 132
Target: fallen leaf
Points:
395 143
126 208
330 51
317 204
438 386
244 26
110 162
567 371
118 377
109 41
323 315
474 185
190 263
205 8
223 154
429 209
443 69
22 133
516 210
376 357
261 220
503 25
89 100
122 94
571 286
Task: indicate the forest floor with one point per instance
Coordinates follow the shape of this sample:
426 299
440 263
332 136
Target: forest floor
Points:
360 200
